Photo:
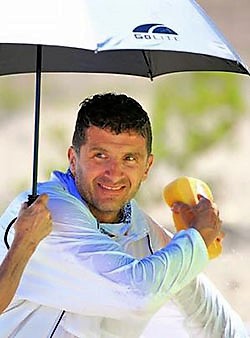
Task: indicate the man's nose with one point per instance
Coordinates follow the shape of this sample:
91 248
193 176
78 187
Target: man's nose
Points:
114 169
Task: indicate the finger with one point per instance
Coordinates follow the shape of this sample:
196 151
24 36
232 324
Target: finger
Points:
219 224
200 197
24 206
221 235
203 200
41 199
49 216
177 207
204 203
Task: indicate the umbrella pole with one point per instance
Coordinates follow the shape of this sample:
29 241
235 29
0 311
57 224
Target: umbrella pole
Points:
36 123
32 198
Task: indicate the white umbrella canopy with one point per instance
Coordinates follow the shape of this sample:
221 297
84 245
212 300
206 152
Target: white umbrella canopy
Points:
135 37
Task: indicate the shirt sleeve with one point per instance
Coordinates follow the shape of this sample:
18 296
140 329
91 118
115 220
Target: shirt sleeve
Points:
206 312
82 271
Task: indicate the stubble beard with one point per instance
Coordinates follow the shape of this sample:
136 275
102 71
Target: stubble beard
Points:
99 208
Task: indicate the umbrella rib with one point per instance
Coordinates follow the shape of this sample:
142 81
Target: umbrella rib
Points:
148 63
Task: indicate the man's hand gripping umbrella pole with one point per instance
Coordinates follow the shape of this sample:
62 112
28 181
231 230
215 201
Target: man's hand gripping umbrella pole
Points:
192 204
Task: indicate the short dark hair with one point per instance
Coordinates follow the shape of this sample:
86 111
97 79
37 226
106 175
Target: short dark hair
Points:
116 112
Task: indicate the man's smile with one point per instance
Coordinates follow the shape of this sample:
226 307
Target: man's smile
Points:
111 188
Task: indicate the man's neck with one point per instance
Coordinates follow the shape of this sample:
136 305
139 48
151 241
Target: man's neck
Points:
106 217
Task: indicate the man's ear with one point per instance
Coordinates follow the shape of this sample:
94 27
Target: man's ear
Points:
72 160
148 166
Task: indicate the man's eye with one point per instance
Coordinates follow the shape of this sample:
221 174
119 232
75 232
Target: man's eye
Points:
130 158
100 155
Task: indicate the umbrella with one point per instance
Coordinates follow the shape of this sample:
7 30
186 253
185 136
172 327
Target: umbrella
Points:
135 37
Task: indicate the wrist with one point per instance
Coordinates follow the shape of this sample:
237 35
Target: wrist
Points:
24 244
208 235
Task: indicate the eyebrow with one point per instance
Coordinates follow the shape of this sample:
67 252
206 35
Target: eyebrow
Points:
95 148
136 153
99 148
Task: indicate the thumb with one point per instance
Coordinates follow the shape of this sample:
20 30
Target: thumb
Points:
41 199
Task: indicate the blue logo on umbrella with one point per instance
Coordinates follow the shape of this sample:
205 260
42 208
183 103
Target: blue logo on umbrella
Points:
155 33
154 28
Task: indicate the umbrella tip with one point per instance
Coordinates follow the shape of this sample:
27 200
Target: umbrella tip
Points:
150 75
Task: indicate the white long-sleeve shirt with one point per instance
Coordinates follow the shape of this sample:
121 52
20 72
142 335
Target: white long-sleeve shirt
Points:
111 287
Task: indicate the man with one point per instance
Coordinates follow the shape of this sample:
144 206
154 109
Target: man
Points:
32 225
107 267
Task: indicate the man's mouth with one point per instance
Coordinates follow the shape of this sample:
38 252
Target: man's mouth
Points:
110 187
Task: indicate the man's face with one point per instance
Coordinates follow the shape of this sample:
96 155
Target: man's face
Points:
109 170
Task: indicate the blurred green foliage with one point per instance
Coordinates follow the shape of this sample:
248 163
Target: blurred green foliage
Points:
193 113
16 93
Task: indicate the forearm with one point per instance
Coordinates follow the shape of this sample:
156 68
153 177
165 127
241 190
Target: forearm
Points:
107 280
11 270
208 313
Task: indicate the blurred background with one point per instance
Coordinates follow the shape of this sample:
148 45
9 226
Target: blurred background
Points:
201 124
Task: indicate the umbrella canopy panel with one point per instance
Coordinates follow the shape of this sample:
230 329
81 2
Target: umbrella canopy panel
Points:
18 58
142 37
